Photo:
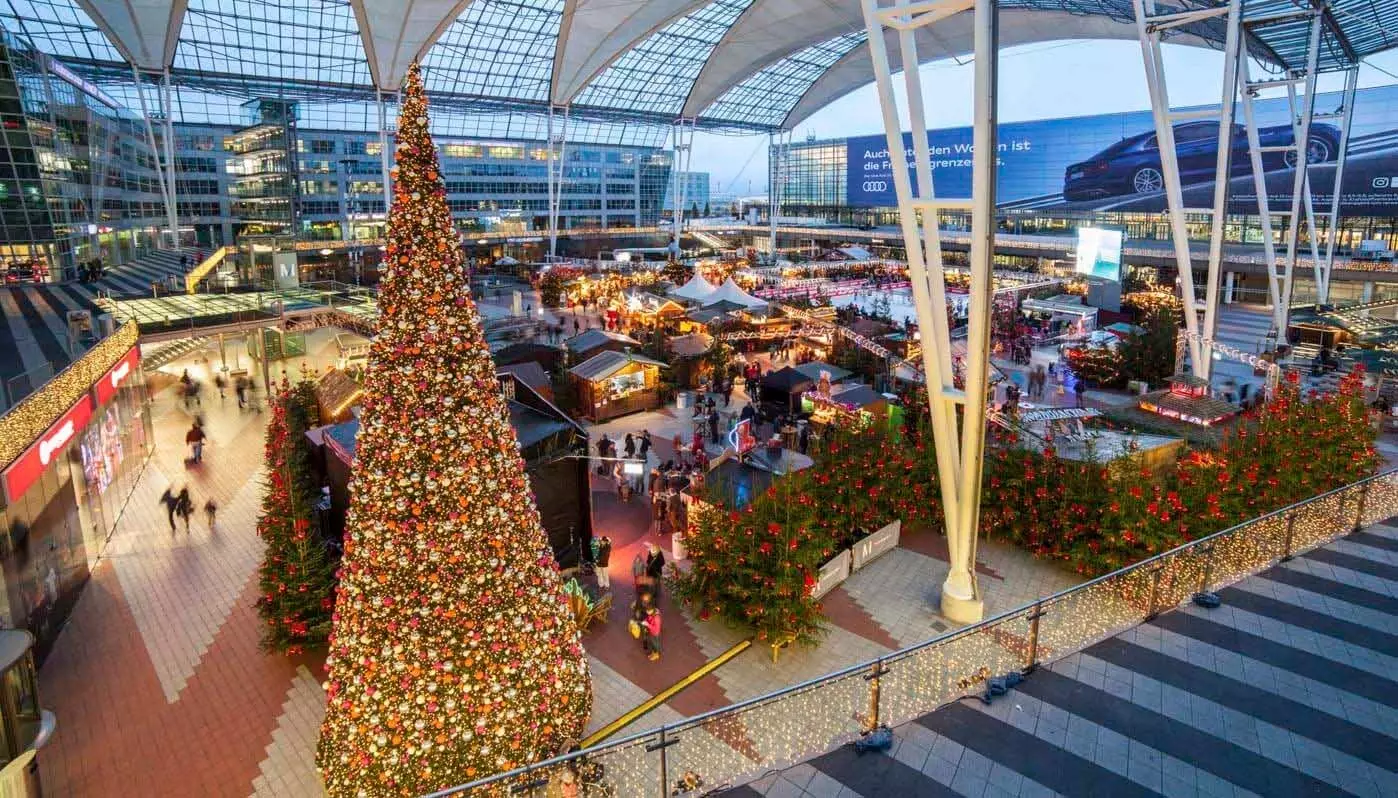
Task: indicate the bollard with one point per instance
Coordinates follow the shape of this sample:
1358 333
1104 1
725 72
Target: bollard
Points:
1034 616
1290 530
875 671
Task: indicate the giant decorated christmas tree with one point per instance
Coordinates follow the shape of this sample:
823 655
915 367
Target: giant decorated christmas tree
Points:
452 655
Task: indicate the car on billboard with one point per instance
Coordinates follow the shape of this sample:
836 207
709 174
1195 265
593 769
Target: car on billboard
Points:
1132 165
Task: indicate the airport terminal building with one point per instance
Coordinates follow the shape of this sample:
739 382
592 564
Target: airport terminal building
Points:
1059 174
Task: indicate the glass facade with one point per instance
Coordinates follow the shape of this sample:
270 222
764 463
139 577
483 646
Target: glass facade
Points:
59 523
240 182
77 173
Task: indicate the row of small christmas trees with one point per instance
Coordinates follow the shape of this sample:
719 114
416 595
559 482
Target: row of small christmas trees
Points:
297 575
453 655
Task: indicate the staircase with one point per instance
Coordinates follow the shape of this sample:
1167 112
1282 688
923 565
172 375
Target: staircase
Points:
135 277
173 351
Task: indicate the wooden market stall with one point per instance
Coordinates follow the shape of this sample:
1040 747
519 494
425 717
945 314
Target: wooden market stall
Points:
611 384
336 393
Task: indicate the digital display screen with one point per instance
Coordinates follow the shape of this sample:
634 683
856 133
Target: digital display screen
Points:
1099 253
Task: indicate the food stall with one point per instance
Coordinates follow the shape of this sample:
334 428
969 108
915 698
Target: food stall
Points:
1064 314
846 405
611 384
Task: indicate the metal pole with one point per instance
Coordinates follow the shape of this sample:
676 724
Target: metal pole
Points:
1351 85
1169 167
552 190
1290 534
173 206
1301 135
384 157
772 147
1259 183
1034 616
1222 177
154 147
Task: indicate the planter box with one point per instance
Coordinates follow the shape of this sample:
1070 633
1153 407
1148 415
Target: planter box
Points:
876 545
832 573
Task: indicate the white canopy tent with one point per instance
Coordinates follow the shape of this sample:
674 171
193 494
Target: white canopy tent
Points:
730 292
696 290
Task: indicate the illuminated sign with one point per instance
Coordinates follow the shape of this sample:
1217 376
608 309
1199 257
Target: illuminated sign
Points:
111 382
30 466
1099 253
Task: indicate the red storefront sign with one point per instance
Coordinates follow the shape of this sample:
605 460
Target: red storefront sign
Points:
29 467
111 382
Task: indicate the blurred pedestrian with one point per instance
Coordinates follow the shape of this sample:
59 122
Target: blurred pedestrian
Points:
184 507
195 438
651 627
210 513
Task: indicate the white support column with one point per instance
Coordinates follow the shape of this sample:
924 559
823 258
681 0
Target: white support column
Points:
155 151
1302 131
772 193
1223 172
558 151
1264 206
1149 27
385 157
172 207
683 137
1346 116
959 453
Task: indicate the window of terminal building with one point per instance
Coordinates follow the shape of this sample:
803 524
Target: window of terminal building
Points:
373 148
462 150
322 146
354 147
505 151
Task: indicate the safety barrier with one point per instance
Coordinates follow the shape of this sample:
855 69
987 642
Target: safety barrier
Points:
728 745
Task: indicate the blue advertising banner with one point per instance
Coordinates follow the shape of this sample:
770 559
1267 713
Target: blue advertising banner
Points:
1111 161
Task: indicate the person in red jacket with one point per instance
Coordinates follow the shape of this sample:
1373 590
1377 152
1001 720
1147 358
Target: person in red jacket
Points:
651 626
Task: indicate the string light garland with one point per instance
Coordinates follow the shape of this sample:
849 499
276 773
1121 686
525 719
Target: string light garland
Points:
453 655
26 421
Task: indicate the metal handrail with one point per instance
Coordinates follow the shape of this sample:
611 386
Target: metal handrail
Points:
1037 606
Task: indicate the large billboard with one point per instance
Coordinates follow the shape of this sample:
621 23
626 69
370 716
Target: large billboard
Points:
1099 253
1111 162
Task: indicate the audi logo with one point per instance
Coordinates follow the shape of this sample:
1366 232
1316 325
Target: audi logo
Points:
875 185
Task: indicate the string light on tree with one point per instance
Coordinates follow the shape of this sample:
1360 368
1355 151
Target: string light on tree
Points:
453 656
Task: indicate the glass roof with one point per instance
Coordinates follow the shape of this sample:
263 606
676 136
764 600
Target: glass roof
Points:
657 74
280 39
768 96
497 57
497 48
58 27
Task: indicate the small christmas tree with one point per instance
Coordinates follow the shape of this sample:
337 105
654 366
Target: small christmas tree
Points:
453 655
297 576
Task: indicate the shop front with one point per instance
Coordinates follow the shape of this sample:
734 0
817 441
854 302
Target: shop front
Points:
63 495
612 384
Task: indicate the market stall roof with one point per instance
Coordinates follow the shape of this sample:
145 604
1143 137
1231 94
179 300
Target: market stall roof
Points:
708 315
604 364
696 290
860 396
691 345
813 369
787 379
639 299
594 338
530 373
730 292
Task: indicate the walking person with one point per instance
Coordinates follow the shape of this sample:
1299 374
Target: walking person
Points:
628 446
210 513
655 567
645 444
713 425
195 438
221 383
184 507
601 558
651 628
168 499
1079 388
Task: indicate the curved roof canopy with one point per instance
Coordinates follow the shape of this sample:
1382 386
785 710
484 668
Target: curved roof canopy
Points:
746 64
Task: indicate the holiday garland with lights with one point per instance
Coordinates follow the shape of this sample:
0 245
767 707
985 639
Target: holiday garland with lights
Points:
453 655
297 574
